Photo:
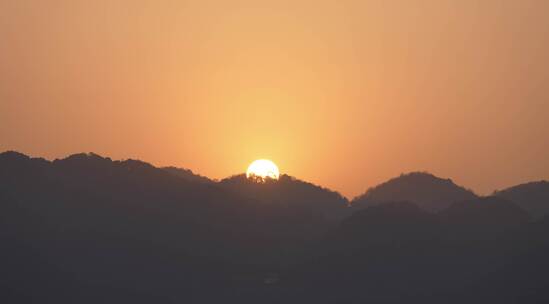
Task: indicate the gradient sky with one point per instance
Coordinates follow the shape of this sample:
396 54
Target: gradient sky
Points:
340 93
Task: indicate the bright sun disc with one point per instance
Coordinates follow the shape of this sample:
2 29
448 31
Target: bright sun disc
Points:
263 168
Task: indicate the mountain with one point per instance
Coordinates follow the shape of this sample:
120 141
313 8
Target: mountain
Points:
290 194
423 189
89 229
480 249
296 212
167 205
188 174
392 221
85 189
172 208
130 231
533 197
483 218
112 230
389 223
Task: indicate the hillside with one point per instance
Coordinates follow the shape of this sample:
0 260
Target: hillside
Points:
533 197
423 189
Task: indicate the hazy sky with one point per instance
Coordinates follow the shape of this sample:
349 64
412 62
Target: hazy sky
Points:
340 93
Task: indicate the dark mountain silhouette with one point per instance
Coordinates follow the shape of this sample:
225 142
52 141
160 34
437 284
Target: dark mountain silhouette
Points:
188 175
88 225
533 197
396 252
88 229
391 223
289 193
426 190
296 212
486 212
116 192
129 226
85 189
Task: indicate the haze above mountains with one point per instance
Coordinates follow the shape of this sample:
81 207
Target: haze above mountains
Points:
88 229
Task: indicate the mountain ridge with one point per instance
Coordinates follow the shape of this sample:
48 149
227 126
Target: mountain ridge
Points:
532 196
424 189
125 230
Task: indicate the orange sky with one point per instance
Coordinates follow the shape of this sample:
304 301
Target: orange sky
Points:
341 93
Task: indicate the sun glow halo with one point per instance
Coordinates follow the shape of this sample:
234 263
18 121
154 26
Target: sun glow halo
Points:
263 168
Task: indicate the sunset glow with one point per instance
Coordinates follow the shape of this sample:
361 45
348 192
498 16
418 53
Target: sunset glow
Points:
288 151
341 93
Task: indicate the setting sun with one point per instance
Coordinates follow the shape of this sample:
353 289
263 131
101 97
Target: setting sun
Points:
263 168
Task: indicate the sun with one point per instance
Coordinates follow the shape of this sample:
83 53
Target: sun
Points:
263 169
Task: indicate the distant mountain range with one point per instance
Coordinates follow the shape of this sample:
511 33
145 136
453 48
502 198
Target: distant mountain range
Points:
227 215
424 189
290 193
89 229
533 197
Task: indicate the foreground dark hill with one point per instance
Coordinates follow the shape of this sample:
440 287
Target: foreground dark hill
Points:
87 225
87 229
93 195
480 251
289 193
533 197
188 174
484 217
87 189
426 190
136 229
